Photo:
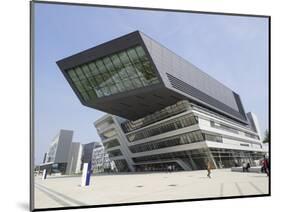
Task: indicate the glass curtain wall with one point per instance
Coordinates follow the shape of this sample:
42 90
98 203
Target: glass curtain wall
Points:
167 112
186 138
178 123
199 157
123 71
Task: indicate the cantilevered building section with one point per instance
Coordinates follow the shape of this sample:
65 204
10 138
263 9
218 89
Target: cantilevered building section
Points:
134 76
164 110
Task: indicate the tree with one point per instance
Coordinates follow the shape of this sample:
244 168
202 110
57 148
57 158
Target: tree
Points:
266 137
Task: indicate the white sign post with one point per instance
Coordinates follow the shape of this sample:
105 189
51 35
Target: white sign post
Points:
44 176
86 174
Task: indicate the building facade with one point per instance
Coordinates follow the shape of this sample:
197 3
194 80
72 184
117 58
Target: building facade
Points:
165 111
183 136
63 156
94 152
74 158
100 160
87 152
114 141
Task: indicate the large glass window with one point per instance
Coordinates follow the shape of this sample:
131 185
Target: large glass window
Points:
169 111
215 138
111 144
122 165
119 72
186 138
114 153
198 157
223 127
174 124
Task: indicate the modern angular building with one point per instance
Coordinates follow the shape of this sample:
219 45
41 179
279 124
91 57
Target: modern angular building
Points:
94 152
63 156
100 160
74 158
115 142
164 110
87 152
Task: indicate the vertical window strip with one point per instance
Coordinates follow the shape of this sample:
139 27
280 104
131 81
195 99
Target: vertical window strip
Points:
136 70
83 93
96 78
128 79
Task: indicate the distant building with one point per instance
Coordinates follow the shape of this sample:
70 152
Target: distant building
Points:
87 153
63 156
74 160
100 160
94 152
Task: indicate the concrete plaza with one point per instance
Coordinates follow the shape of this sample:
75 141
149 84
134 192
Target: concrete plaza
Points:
66 191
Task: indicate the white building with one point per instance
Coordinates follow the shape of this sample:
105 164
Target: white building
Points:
100 160
63 156
183 136
74 160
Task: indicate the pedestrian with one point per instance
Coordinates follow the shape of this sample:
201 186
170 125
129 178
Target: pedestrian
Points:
266 165
244 166
262 166
248 166
169 169
209 167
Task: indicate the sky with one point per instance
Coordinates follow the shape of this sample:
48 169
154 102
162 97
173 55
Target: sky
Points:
232 49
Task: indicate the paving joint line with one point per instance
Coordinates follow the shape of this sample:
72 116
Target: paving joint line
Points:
73 201
53 197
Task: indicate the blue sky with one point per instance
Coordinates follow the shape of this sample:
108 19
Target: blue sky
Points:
232 49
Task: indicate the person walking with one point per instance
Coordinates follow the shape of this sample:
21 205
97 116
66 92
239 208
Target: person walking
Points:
262 166
244 166
248 166
209 167
266 166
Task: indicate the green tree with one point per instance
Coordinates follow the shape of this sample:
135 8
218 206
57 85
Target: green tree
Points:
266 137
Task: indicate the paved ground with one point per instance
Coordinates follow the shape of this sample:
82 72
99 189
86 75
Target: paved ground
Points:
141 187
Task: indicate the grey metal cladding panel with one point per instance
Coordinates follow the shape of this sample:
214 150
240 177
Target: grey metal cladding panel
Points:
137 104
251 121
190 90
167 61
101 50
239 104
155 51
64 145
